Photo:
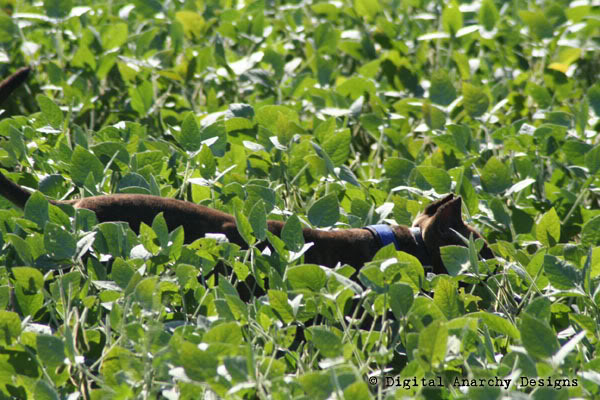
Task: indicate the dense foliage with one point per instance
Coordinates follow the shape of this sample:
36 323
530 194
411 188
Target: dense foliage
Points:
322 114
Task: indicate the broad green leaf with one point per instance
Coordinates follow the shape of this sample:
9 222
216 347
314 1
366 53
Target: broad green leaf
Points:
401 297
59 243
540 94
43 391
442 90
445 296
337 146
22 247
497 324
242 223
495 176
592 159
51 350
36 209
10 327
538 24
142 97
8 29
229 333
121 273
83 163
145 292
190 137
356 86
488 14
547 230
398 170
51 113
433 343
30 279
593 95
590 234
159 226
538 338
58 8
268 116
278 301
452 19
192 22
560 274
258 220
327 342
437 178
367 8
114 36
291 233
455 259
475 100
208 165
434 117
325 211
307 276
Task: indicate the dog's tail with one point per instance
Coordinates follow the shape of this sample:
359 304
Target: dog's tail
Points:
12 82
13 192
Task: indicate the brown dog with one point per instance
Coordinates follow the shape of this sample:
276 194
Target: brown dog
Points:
436 227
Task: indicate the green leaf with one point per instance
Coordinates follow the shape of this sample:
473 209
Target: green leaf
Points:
59 243
488 14
327 342
325 211
456 259
10 327
495 176
208 165
30 279
145 292
434 117
51 113
442 90
538 338
142 97
590 234
337 146
497 323
83 163
452 19
593 95
8 29
592 160
292 234
278 301
51 350
190 138
114 36
540 94
192 23
437 178
268 116
160 228
367 8
58 8
228 332
22 247
401 299
475 100
560 274
242 223
445 296
433 343
43 391
307 276
547 230
538 24
258 220
356 86
36 209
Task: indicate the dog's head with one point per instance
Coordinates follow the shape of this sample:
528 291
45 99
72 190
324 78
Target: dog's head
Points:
439 223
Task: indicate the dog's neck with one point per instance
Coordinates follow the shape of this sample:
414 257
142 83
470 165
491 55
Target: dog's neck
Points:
355 247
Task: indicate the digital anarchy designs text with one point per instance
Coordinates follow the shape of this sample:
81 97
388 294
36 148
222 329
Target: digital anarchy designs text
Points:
523 382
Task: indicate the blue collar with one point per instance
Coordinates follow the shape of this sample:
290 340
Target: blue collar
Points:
385 236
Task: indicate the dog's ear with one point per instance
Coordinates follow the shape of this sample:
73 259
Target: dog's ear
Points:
449 214
432 208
